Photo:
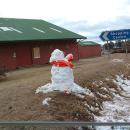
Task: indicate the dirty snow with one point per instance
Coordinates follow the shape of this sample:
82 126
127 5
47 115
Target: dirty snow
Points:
117 110
123 83
45 101
75 89
117 60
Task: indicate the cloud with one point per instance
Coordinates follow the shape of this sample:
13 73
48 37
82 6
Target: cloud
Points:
93 31
86 17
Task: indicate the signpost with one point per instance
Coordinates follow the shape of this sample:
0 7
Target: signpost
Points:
116 35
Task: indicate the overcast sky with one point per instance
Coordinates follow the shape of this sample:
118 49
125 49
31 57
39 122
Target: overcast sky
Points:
86 17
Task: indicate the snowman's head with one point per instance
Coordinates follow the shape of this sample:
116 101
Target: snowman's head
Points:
57 55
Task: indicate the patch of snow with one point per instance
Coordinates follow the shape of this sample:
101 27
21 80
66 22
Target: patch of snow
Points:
124 83
104 88
117 110
75 89
97 83
79 95
107 79
102 95
100 82
127 65
45 101
117 60
56 55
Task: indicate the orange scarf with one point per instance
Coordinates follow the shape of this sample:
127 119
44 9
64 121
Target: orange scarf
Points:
62 63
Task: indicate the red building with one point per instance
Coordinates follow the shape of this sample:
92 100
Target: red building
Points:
24 42
89 49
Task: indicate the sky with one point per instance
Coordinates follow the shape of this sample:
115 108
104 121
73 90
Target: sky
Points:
86 17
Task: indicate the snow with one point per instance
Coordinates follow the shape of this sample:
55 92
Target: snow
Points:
117 110
107 79
45 101
75 89
97 83
117 60
56 55
124 83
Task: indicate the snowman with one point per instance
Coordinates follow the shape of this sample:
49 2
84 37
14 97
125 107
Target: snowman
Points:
62 75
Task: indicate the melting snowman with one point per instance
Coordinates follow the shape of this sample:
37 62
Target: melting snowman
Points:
62 75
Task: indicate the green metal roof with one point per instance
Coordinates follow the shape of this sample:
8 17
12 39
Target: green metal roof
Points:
29 29
88 43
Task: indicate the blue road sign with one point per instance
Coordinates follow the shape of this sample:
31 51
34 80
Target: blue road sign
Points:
115 35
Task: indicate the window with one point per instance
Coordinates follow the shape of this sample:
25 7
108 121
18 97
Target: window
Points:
36 52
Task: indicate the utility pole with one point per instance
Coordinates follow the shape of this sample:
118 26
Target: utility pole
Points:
108 49
126 50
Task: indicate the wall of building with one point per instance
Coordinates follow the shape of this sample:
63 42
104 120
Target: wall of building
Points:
7 60
21 54
89 51
47 47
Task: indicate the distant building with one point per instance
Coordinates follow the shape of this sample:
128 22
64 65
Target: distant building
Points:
26 42
89 49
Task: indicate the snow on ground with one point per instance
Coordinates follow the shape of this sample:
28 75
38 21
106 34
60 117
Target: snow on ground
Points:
117 60
75 89
117 110
124 83
45 101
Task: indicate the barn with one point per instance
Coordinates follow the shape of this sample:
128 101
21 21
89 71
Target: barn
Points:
26 42
89 49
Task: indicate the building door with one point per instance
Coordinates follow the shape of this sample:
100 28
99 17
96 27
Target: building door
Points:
36 55
23 56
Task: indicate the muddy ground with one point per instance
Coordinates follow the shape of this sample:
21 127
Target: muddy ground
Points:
18 100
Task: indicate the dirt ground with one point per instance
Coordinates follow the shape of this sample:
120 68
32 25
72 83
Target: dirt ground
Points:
18 100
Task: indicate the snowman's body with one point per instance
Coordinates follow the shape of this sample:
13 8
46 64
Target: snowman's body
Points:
62 77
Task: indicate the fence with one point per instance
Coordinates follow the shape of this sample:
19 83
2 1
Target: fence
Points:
58 125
